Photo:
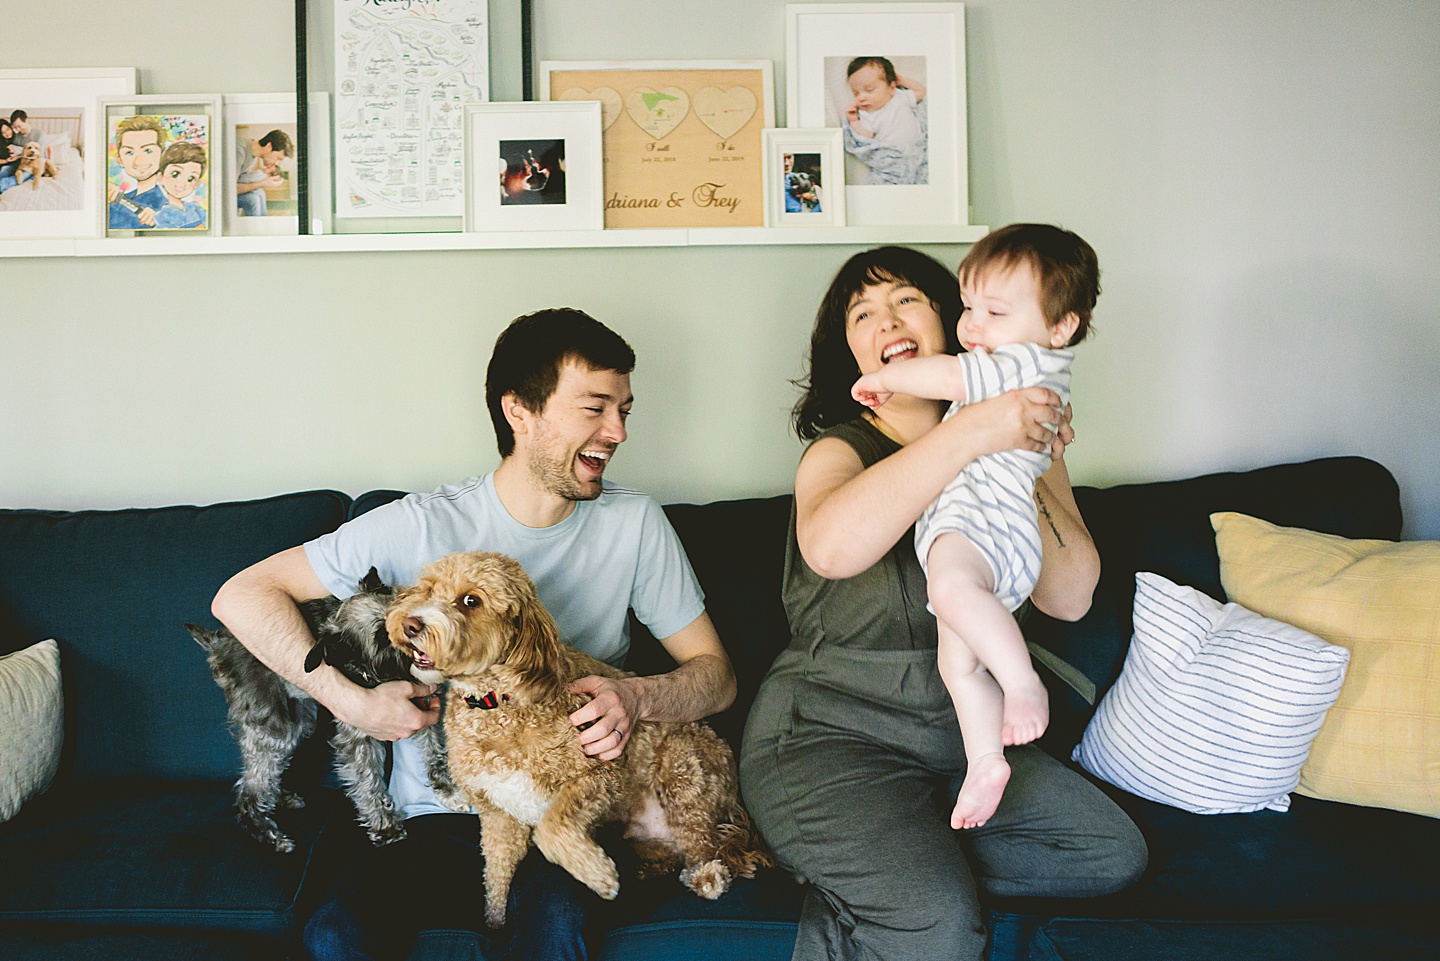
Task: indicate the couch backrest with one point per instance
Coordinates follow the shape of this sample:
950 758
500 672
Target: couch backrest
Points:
1164 527
115 588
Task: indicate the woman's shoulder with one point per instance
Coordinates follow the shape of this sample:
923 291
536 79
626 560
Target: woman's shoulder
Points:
861 436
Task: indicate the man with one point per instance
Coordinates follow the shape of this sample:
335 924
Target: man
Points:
20 124
139 145
558 390
255 166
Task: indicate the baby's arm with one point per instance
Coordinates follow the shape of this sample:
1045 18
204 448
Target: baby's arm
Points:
852 114
937 378
914 86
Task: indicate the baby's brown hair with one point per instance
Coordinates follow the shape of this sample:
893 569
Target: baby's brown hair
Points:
1066 268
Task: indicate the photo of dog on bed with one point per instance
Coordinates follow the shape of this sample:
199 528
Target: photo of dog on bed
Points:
42 151
475 618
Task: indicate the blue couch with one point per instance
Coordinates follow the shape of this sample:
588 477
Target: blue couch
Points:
134 852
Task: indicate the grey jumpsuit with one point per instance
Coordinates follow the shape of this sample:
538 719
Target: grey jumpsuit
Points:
852 759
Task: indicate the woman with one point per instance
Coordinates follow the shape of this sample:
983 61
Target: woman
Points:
852 755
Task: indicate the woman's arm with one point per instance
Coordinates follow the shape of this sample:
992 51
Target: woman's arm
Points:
848 516
1070 565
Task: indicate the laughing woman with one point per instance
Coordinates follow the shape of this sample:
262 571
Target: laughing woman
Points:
852 755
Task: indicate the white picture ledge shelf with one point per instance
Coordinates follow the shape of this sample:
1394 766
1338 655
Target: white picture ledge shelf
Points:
342 243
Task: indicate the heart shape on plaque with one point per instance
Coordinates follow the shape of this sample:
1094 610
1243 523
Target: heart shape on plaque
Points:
657 112
609 102
725 111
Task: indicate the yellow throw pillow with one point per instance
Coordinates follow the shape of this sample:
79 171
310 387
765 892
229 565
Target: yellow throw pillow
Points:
1380 744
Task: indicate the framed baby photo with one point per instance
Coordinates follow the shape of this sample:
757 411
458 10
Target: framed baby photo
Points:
533 166
52 148
681 137
160 175
891 76
804 178
260 157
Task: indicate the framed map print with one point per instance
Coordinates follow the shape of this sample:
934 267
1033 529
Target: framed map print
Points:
681 138
403 75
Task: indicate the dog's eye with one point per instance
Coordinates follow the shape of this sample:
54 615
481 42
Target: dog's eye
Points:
470 601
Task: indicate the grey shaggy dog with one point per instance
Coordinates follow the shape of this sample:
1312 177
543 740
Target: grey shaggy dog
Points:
270 716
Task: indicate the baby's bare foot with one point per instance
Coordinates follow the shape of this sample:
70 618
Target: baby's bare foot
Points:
1027 712
980 794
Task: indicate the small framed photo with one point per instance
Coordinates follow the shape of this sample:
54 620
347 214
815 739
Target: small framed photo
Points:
262 154
160 170
804 178
891 76
533 166
52 148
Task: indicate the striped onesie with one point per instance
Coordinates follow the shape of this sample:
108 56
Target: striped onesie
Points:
992 501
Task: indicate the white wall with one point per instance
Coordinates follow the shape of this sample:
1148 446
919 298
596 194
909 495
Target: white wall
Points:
1261 180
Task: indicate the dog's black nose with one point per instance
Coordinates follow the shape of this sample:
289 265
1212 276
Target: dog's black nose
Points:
412 627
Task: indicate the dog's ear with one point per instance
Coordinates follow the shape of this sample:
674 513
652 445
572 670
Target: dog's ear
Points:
536 648
315 657
204 638
372 584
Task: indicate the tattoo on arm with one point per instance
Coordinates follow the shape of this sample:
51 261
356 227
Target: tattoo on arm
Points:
1045 512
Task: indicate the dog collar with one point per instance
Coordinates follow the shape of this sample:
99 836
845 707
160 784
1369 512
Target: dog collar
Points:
487 703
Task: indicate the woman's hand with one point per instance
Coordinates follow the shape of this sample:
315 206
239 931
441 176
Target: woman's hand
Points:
1016 420
1065 436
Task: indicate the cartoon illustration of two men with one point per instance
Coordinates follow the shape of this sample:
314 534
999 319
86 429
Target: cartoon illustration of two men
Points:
166 177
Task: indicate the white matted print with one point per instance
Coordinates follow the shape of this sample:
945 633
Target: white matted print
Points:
262 154
533 166
804 178
891 76
52 193
160 171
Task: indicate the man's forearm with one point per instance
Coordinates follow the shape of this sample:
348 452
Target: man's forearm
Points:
702 686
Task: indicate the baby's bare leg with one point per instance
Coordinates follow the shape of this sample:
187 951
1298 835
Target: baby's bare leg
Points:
961 588
978 707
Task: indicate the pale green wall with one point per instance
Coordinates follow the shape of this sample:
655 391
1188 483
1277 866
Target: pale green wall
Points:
1261 180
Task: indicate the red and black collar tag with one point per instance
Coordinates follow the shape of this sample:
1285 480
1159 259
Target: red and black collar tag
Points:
487 703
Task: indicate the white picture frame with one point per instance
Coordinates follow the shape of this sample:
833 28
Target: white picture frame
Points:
913 168
245 115
804 177
194 118
533 166
67 99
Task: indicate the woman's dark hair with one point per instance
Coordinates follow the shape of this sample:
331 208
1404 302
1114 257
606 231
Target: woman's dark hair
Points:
831 367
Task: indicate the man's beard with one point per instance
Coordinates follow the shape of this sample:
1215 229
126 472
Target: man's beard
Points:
558 477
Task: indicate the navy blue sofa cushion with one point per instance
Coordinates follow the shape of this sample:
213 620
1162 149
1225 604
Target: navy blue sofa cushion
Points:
114 588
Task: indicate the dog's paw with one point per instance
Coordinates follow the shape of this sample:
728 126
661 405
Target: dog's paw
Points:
709 879
290 800
454 800
495 913
384 834
606 881
281 843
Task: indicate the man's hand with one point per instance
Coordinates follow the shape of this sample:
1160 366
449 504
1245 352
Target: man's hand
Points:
393 711
614 707
146 216
867 390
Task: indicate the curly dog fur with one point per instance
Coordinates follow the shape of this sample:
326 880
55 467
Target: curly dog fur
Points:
475 618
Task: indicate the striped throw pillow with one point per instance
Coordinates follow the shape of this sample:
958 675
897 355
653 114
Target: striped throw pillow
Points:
1216 707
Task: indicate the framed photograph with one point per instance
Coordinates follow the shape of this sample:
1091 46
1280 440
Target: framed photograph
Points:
682 138
160 165
533 166
52 149
261 154
804 178
891 76
404 72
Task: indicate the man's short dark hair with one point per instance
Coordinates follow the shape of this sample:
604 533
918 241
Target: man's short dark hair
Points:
279 140
530 353
18 115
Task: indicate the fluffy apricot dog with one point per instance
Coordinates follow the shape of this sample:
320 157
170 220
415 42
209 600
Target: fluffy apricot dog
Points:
475 619
33 159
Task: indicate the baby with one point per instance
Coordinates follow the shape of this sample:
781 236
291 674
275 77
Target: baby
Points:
885 124
182 168
1027 292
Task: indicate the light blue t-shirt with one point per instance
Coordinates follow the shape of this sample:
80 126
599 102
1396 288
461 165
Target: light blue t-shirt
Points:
613 554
